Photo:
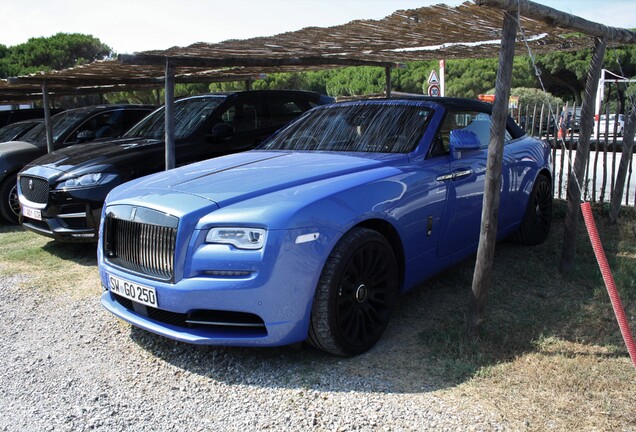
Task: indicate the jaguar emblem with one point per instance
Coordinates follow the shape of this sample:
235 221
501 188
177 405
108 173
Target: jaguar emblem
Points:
133 213
30 184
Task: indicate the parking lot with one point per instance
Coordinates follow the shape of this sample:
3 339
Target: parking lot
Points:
597 163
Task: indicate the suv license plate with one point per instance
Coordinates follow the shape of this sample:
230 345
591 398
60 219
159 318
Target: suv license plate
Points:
32 213
132 291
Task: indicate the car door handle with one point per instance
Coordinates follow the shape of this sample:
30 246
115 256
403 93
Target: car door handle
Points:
456 174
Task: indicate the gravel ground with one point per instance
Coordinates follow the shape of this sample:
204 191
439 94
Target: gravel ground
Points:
68 365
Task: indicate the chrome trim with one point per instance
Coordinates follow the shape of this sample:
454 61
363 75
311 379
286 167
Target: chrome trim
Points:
226 324
306 238
72 215
42 183
445 177
454 175
145 245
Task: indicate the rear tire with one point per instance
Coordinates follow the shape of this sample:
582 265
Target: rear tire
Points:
9 204
535 225
355 294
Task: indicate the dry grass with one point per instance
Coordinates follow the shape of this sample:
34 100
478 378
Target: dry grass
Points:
50 266
551 356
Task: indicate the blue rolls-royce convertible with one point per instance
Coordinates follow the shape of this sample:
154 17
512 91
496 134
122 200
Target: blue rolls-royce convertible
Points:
312 236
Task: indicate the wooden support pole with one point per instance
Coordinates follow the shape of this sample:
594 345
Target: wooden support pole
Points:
387 71
573 212
482 277
169 116
626 156
47 117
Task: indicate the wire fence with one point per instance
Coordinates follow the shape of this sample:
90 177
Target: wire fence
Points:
560 127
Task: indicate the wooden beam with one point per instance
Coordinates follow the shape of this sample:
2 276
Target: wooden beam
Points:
482 277
214 62
554 17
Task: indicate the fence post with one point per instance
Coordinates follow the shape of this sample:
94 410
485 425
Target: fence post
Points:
570 233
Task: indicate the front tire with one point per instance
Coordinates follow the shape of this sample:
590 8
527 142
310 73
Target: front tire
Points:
9 204
537 219
355 294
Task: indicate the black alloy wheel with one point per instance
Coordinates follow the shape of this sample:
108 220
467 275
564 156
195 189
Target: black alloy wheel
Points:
9 203
535 226
356 293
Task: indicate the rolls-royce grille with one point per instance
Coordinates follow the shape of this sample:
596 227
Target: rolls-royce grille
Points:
35 189
140 247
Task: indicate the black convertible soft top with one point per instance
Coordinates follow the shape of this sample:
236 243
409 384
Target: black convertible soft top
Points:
465 104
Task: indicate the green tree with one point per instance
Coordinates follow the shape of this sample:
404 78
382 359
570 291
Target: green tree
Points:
413 77
56 52
471 77
529 97
563 73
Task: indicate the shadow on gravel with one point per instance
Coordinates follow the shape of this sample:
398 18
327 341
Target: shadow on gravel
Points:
424 347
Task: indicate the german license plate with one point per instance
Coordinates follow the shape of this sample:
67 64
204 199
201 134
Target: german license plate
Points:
31 213
135 292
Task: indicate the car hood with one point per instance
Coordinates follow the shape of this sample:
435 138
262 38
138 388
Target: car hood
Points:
18 147
239 177
98 153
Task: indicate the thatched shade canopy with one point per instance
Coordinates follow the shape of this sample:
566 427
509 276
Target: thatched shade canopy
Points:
471 30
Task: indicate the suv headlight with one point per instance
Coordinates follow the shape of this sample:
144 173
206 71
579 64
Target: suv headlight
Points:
239 237
85 180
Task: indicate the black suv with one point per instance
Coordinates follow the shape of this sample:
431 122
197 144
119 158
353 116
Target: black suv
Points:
14 131
69 127
62 193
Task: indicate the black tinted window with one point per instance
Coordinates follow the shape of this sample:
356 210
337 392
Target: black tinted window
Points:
283 110
60 123
189 114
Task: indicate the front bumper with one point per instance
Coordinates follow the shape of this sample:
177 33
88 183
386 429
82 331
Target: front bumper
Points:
65 226
275 298
68 216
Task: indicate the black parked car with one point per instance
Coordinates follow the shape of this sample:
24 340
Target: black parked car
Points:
62 193
69 127
16 115
14 131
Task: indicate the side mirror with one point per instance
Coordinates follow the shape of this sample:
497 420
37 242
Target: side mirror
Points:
85 135
463 140
220 131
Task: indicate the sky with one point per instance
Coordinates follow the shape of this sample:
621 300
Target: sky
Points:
129 26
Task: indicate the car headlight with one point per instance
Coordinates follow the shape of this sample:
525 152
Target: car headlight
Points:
241 238
85 180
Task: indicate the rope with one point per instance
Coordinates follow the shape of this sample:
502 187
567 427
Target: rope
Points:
537 73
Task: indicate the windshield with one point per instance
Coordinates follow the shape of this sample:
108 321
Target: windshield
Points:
60 123
189 114
361 127
10 131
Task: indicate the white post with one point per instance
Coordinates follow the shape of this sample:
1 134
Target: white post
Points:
442 79
600 92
